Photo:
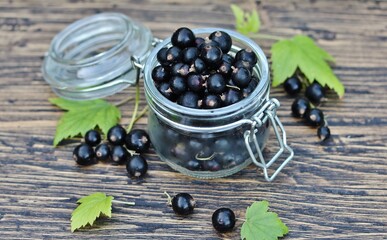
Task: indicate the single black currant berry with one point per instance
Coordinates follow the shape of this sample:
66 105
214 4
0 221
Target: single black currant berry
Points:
249 89
211 165
119 154
300 106
195 82
216 83
183 37
193 165
93 138
228 58
159 74
223 220
173 55
178 85
231 96
246 55
116 135
223 39
137 166
244 64
198 66
225 69
323 132
102 152
199 41
162 56
137 140
314 117
211 101
195 145
190 54
222 145
183 204
292 85
241 77
189 99
83 154
165 89
208 42
180 151
315 92
211 55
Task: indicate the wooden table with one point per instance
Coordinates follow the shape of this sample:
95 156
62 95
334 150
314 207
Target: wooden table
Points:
334 190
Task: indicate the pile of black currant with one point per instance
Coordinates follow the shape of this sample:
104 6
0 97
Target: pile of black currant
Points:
302 107
203 73
121 148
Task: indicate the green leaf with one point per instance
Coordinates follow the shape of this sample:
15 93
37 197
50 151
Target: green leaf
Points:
90 208
245 22
83 116
261 224
302 53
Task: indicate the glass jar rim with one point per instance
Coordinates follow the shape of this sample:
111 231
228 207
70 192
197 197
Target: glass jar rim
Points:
259 91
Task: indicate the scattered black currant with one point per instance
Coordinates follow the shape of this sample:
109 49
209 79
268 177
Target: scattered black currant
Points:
119 154
315 92
183 204
116 135
314 117
136 166
223 220
84 154
102 152
92 138
137 140
223 39
293 85
183 37
300 106
323 133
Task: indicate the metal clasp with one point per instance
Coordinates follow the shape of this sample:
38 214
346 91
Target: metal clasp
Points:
268 112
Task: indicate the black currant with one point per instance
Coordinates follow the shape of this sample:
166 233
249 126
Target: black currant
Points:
183 37
178 85
195 82
195 145
199 41
315 92
293 85
211 165
136 166
173 55
323 132
198 66
116 135
241 77
165 89
300 106
159 74
225 69
93 138
162 56
246 55
208 42
231 96
180 69
223 220
189 99
314 117
244 64
228 58
222 145
223 39
211 101
180 151
102 152
211 55
119 154
183 204
190 54
216 83
251 87
137 140
83 154
193 165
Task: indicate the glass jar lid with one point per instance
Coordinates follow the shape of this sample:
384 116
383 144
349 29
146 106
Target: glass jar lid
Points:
92 57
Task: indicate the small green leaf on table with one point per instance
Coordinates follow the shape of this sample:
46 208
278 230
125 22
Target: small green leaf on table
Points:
261 224
245 22
83 116
302 53
90 208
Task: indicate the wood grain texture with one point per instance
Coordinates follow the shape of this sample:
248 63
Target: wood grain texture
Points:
335 190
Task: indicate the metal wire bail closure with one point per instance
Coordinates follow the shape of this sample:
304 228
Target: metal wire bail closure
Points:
267 113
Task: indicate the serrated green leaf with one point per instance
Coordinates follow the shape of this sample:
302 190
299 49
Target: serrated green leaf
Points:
90 208
245 22
83 116
302 53
261 224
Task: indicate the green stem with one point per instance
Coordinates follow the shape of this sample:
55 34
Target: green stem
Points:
140 114
265 36
122 202
137 102
123 101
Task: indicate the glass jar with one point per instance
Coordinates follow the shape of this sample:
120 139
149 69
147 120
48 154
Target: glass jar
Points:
92 57
215 142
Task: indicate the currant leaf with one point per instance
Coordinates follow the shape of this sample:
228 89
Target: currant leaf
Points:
261 224
302 53
245 22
